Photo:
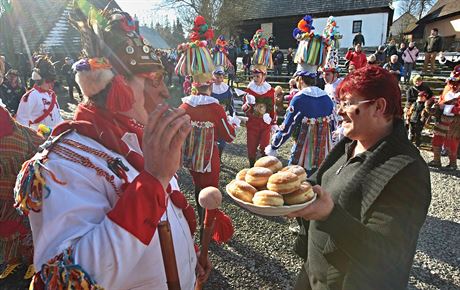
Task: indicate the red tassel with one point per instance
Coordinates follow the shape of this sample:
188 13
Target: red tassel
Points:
223 228
120 97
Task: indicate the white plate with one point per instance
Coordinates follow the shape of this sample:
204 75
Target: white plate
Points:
270 210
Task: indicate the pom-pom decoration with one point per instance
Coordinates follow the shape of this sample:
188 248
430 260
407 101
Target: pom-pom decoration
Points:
331 33
196 57
201 30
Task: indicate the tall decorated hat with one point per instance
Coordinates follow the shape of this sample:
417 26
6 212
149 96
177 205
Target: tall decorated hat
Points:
220 55
112 51
196 59
311 51
262 58
331 36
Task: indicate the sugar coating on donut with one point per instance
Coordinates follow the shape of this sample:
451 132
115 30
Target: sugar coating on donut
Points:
297 170
270 162
283 182
258 176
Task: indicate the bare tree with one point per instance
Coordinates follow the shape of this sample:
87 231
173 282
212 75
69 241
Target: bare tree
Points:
418 8
222 15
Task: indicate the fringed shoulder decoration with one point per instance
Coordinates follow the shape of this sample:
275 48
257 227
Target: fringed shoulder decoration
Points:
31 187
61 272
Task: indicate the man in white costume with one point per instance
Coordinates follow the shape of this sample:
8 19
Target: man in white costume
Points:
106 179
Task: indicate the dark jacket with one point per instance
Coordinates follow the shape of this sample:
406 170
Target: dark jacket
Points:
11 97
389 195
391 50
433 44
359 38
278 57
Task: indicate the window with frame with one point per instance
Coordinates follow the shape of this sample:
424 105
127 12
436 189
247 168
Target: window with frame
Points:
357 24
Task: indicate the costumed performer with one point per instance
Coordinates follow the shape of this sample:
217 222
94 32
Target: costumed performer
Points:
310 115
97 192
39 105
208 118
259 101
311 109
447 128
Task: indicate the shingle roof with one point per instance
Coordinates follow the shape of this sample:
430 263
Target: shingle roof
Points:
279 8
442 8
153 37
45 22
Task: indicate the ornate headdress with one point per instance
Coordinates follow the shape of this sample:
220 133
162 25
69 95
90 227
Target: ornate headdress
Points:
112 50
309 52
220 55
262 58
331 37
196 58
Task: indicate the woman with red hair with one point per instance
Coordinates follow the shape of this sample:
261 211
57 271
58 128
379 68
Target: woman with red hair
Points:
373 193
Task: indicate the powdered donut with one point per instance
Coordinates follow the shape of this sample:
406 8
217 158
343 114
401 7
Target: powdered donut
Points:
303 194
258 176
268 198
241 190
297 170
242 174
269 162
283 182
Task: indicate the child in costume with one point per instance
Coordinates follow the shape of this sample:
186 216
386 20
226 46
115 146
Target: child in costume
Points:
103 186
447 129
259 101
208 117
39 105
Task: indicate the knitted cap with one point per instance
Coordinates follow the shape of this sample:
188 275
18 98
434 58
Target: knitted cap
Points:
44 70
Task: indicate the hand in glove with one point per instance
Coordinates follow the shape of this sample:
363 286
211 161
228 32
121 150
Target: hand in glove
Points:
267 118
275 128
234 120
269 151
250 99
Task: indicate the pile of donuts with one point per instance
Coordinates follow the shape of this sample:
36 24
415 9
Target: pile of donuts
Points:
269 184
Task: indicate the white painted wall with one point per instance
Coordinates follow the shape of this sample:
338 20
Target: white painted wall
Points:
374 28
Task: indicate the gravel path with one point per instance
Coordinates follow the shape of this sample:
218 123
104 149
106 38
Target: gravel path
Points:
260 256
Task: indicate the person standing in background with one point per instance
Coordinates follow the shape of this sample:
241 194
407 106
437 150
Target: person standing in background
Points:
433 45
409 57
290 62
359 39
69 75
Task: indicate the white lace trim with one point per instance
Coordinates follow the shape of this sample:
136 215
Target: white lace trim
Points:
199 100
219 89
265 87
312 92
